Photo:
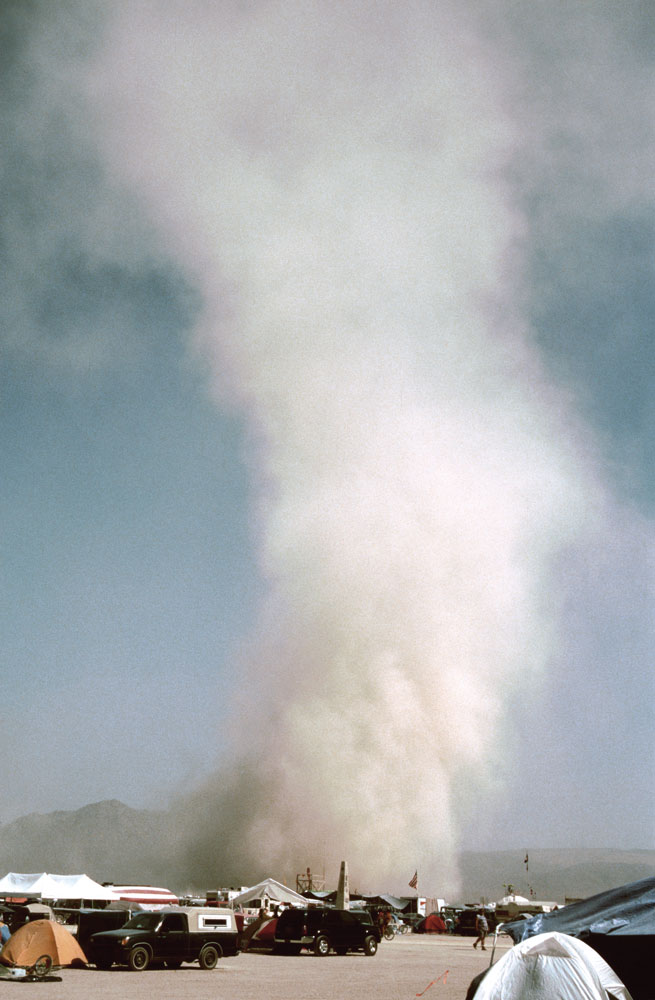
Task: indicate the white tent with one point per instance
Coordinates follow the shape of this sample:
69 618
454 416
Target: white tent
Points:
36 884
268 891
82 887
60 887
551 967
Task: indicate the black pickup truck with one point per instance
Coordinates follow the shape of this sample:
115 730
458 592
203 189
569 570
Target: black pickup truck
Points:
171 936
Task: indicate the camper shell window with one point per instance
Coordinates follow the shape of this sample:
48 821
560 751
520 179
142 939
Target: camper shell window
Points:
205 922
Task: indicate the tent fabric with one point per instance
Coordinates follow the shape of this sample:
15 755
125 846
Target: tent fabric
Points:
42 937
432 924
81 887
147 896
386 899
551 966
54 886
261 933
37 884
275 891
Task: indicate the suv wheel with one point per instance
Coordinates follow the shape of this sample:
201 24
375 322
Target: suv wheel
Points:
139 958
370 945
321 945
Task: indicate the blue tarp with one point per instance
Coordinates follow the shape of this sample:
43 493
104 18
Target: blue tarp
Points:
618 924
628 910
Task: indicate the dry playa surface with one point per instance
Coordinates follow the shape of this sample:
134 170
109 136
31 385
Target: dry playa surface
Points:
436 967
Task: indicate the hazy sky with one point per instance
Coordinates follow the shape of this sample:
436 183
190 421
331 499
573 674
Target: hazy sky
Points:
327 416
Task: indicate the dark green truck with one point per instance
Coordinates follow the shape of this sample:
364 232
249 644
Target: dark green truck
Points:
170 936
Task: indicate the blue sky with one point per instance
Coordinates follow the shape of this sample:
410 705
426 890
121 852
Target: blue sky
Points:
169 396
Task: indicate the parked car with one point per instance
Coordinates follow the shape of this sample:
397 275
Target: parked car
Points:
325 930
172 935
92 922
466 921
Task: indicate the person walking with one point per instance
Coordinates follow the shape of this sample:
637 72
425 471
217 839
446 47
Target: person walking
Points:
482 927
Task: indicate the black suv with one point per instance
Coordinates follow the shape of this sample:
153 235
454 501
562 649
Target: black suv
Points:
325 930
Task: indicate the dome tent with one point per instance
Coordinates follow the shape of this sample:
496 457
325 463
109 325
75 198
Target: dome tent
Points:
549 966
42 937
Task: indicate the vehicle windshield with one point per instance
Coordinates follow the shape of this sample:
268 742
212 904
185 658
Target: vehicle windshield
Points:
144 922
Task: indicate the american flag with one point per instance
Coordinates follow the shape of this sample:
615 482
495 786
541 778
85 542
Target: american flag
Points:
413 882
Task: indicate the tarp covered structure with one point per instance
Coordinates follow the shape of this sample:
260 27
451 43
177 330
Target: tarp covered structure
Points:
42 937
61 887
550 966
399 903
619 924
269 890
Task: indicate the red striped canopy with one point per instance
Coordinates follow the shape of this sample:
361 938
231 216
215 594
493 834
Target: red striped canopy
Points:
146 895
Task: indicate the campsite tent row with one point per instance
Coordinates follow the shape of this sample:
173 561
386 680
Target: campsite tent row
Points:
65 888
60 887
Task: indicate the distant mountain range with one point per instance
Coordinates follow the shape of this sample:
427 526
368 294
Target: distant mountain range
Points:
112 842
552 874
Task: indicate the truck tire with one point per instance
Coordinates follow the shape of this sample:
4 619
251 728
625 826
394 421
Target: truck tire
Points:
209 956
370 945
139 959
322 945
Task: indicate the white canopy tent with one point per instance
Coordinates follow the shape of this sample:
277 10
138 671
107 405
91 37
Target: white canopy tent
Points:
59 887
268 891
513 899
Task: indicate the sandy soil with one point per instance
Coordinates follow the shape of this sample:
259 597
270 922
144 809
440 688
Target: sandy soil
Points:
402 969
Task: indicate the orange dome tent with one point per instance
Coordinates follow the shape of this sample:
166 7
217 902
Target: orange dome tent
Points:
42 937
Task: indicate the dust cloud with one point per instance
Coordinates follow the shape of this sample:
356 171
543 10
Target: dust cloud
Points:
334 181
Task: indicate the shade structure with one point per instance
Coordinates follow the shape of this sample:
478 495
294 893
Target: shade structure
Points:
61 887
81 887
269 890
42 937
34 884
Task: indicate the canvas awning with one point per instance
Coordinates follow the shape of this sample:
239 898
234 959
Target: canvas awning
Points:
60 887
148 896
272 890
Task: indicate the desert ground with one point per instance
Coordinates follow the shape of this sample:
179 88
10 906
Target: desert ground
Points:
439 967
